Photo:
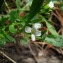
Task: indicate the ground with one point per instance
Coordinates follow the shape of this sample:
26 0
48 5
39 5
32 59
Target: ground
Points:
31 53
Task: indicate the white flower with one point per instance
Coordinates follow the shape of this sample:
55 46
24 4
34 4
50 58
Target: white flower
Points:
37 33
32 37
28 29
51 4
34 30
37 26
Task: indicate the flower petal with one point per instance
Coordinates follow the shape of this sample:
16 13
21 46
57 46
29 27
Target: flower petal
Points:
36 26
28 29
32 37
37 33
51 4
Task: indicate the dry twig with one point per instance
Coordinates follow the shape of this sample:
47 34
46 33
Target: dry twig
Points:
7 57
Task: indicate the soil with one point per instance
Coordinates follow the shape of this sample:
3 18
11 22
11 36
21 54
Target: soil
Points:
34 52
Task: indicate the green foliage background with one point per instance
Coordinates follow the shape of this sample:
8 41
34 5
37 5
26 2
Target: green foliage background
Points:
17 23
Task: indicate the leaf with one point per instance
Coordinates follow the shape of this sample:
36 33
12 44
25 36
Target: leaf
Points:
9 38
24 41
13 16
50 27
55 40
35 8
35 19
12 28
0 18
2 40
28 1
18 4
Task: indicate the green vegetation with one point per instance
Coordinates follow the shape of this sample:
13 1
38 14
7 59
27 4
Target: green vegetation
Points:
39 12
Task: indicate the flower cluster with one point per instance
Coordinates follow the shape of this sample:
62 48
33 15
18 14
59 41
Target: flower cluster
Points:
34 30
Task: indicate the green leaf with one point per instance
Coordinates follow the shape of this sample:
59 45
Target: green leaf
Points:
2 40
44 32
24 41
35 8
0 18
36 19
18 4
55 40
50 27
28 1
13 16
12 28
9 38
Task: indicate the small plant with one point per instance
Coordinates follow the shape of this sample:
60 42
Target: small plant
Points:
30 24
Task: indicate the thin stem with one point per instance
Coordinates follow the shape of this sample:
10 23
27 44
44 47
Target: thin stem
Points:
7 5
7 57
